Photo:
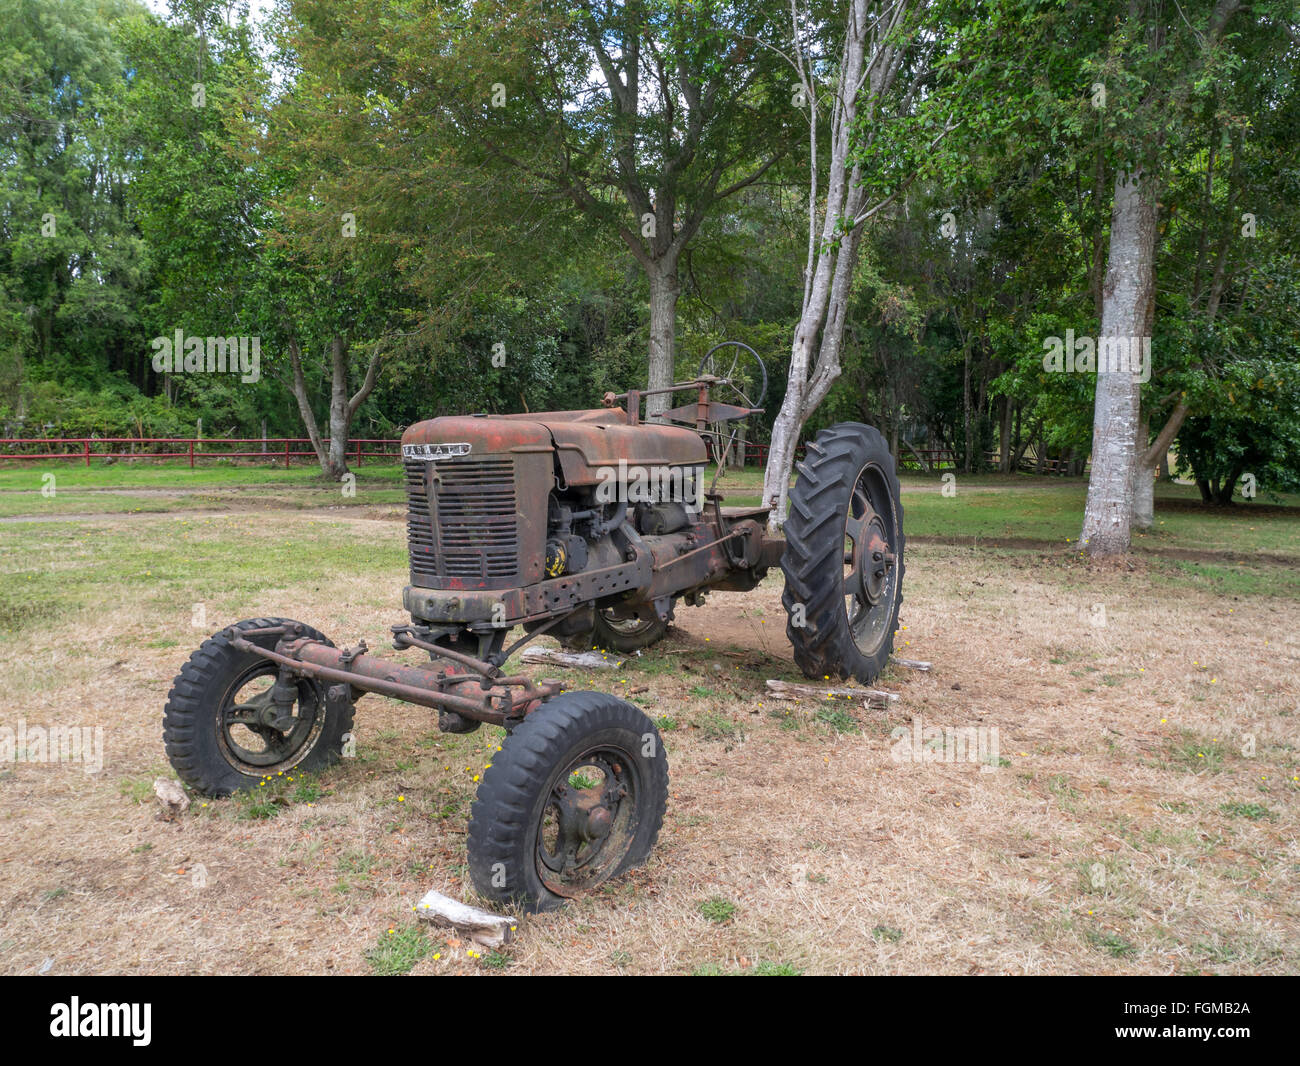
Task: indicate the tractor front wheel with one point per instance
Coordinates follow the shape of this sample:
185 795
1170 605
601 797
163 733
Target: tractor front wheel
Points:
843 559
223 732
575 797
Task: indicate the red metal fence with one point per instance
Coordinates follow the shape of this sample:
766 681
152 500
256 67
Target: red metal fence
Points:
194 449
288 449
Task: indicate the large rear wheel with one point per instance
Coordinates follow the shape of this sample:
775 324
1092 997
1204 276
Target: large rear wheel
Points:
843 560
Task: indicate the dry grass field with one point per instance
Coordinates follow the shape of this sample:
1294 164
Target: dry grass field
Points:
1133 806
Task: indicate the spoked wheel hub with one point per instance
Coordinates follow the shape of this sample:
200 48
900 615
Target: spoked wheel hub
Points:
261 727
871 559
585 827
574 797
230 722
870 580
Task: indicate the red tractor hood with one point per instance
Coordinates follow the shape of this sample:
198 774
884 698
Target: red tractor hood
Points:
584 441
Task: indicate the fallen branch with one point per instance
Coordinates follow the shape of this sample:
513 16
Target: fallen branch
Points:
583 660
913 664
783 690
483 927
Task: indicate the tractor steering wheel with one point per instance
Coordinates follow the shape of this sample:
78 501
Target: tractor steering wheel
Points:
746 376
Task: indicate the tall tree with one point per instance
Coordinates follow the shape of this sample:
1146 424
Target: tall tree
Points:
645 116
1152 62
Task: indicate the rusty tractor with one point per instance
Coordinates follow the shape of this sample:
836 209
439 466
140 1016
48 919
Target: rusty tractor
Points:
588 526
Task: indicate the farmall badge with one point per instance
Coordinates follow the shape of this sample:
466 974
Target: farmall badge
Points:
431 453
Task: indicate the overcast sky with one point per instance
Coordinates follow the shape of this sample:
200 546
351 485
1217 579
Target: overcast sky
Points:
256 7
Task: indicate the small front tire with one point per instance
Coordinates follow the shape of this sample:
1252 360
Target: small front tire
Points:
214 727
576 796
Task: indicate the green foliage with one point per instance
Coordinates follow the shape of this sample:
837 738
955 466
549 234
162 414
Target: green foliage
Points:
498 262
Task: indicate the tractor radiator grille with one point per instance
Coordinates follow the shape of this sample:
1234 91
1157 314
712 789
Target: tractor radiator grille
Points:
475 535
419 527
478 534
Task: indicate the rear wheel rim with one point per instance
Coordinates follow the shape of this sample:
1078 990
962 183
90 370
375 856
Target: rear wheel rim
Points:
871 559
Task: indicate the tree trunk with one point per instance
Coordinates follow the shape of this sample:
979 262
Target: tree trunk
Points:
834 230
1151 458
340 422
1144 486
785 434
299 387
665 287
1004 436
1223 493
965 404
332 456
1126 315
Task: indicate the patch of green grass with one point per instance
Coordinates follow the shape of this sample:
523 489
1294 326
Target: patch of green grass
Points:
717 909
136 789
581 781
163 474
715 726
1098 876
1111 943
1255 578
787 721
705 693
495 960
1066 794
355 861
1051 509
1252 811
398 950
1195 754
840 720
257 806
273 793
166 566
886 933
666 723
306 789
449 809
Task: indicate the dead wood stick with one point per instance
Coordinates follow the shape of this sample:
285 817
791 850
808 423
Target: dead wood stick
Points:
783 690
483 927
582 660
912 664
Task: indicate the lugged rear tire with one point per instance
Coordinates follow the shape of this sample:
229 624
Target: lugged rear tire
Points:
530 788
204 747
845 481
